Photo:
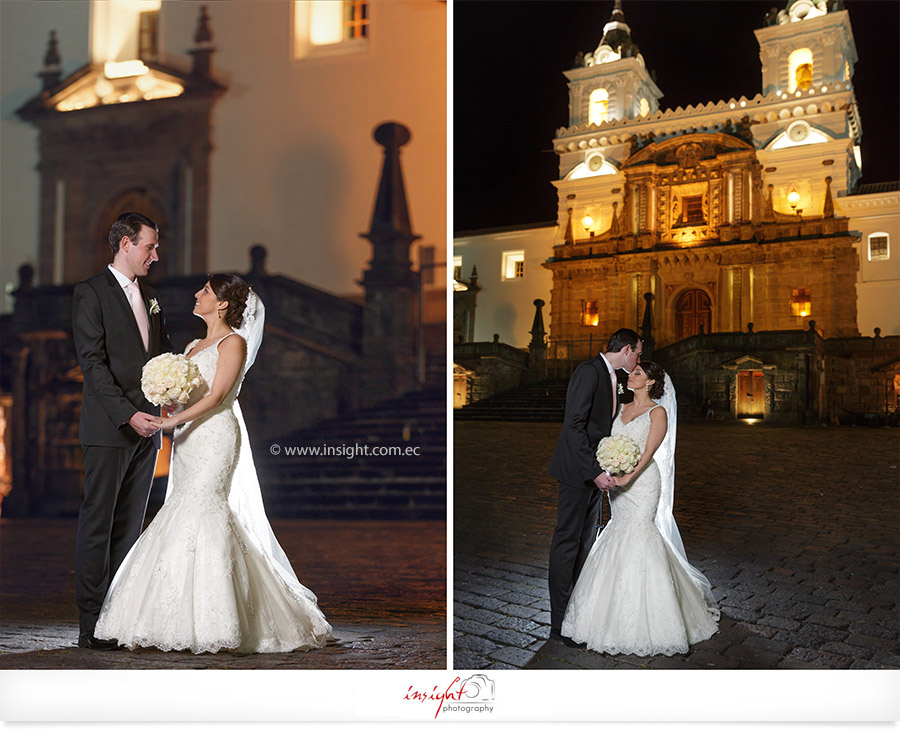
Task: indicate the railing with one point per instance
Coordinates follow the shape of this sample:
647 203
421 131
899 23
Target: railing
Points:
563 356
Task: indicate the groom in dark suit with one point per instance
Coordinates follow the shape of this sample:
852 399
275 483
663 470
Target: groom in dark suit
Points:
117 326
592 401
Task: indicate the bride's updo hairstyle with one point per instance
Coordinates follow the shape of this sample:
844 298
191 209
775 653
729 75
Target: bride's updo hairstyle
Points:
658 375
233 289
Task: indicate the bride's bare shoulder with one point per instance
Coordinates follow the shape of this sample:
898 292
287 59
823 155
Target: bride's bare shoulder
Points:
658 415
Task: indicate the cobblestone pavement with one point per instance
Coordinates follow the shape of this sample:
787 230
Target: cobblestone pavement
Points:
796 529
382 585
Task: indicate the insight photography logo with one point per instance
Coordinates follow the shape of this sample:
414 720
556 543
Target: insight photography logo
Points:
471 695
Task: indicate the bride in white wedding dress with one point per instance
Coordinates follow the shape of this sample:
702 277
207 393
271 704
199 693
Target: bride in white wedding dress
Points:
637 593
208 574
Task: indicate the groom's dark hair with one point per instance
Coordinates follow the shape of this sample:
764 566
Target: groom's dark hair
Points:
622 337
128 224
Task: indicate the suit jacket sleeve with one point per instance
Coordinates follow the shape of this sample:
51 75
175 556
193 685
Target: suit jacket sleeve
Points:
579 399
90 347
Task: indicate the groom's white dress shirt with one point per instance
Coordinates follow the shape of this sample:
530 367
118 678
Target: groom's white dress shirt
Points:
133 295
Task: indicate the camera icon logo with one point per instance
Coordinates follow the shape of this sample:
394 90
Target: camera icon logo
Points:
478 688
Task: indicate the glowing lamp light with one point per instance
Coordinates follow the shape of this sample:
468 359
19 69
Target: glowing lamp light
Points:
751 421
587 222
794 199
124 69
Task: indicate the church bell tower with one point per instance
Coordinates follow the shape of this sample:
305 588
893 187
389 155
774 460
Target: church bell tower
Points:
611 83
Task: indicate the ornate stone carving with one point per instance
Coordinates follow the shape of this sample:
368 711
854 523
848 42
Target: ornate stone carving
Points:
689 155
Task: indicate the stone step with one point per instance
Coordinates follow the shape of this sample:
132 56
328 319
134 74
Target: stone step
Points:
364 487
542 401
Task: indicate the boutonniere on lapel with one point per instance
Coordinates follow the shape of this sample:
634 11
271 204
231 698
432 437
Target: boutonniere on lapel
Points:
621 390
154 309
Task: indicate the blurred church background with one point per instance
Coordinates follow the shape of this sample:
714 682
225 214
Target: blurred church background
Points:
300 143
737 236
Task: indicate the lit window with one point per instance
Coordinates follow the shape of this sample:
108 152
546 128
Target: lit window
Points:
801 303
693 208
457 267
800 69
148 34
645 107
124 30
590 313
598 111
356 19
324 27
513 265
879 249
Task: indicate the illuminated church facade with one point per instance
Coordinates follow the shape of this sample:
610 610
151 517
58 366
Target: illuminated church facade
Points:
734 215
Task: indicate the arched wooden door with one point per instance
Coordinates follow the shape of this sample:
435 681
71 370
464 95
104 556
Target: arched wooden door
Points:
692 310
141 201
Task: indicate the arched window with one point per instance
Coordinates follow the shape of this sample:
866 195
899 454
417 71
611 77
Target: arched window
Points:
645 107
598 110
800 69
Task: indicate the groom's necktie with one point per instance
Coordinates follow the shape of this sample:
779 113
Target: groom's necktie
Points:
140 312
615 388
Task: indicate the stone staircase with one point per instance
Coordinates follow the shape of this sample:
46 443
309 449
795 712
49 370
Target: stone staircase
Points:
345 483
541 401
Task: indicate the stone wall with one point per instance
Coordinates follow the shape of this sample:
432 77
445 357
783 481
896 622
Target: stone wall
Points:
808 379
495 367
709 366
862 377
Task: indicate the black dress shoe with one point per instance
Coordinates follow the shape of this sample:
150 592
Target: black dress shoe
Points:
87 640
571 643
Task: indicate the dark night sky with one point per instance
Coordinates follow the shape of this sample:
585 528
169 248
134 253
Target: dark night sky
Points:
510 95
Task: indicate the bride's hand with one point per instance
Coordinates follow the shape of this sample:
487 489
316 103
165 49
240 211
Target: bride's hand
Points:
623 480
169 424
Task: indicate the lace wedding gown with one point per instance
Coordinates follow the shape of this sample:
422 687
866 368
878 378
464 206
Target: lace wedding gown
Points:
197 579
633 596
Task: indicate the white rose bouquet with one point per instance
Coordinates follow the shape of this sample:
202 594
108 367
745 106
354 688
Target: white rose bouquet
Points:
618 455
168 379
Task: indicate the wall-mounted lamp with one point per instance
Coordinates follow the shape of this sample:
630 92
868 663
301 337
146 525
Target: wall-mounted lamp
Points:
588 223
794 199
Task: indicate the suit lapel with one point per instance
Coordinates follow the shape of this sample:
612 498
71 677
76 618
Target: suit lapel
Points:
603 372
119 295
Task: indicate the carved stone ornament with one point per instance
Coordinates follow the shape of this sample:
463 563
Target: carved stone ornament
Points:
689 155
